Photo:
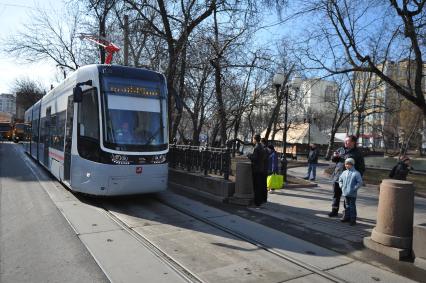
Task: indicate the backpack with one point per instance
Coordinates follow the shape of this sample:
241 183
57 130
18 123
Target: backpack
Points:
393 171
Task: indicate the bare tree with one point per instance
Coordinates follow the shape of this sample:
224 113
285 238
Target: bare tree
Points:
177 23
27 93
51 35
409 128
367 36
199 90
287 72
364 103
340 103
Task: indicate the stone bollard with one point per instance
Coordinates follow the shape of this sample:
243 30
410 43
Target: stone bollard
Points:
243 185
393 233
419 245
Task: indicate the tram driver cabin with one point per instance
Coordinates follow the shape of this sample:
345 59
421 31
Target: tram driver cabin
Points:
103 131
6 123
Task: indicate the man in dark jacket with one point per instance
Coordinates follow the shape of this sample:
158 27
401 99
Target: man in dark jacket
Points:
312 162
259 165
401 170
348 151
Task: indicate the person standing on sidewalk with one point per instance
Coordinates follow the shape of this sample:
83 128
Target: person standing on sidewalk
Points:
312 162
401 170
340 155
272 162
350 181
267 152
259 167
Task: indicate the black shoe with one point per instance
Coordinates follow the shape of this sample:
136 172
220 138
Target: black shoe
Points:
352 223
344 220
313 179
306 178
333 214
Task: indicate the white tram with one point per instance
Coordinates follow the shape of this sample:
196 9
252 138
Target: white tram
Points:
103 131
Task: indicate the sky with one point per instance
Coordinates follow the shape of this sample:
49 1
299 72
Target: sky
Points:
13 13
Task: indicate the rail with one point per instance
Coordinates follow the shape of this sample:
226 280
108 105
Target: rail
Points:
209 160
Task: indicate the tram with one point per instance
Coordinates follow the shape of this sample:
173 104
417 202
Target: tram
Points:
103 131
5 131
19 132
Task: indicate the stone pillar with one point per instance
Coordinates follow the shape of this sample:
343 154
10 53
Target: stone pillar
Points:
393 233
243 184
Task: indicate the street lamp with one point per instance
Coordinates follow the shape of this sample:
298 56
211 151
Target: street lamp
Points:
278 82
309 120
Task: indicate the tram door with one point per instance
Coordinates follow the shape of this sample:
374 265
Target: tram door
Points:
47 137
68 138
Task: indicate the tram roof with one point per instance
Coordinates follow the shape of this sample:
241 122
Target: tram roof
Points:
82 73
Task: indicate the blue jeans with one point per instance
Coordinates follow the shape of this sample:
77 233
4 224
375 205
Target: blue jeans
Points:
350 211
312 168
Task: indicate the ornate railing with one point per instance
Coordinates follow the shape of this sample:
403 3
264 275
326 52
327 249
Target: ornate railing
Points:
209 160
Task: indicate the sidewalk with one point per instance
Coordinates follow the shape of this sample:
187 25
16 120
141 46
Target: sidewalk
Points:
303 213
309 207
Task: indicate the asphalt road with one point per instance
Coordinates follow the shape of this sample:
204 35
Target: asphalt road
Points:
36 242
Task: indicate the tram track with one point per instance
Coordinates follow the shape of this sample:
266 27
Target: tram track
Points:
174 264
185 272
311 268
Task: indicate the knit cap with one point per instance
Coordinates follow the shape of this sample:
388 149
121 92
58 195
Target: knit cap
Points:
350 160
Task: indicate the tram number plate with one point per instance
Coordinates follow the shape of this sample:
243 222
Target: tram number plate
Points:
139 170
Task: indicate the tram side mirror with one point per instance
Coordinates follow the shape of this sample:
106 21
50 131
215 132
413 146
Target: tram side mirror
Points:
77 94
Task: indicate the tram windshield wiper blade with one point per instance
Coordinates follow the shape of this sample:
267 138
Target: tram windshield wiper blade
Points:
153 136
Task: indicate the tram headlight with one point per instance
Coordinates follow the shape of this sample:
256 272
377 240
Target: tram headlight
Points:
160 158
120 159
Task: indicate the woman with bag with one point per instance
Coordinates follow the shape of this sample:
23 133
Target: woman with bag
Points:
274 181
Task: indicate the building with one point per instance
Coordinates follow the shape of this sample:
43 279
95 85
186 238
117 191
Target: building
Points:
317 101
309 98
386 118
318 96
8 103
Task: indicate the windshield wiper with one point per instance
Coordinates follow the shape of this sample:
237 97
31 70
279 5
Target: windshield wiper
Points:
153 136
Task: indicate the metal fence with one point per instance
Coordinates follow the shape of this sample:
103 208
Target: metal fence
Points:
209 160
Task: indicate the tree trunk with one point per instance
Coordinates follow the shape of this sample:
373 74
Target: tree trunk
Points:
218 84
330 145
214 135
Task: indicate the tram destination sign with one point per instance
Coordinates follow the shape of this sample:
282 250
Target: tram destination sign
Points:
134 90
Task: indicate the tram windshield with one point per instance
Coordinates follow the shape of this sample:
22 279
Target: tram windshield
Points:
4 127
20 128
134 115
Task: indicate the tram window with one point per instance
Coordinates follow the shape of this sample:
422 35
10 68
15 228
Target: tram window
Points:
57 126
88 119
88 126
52 130
35 131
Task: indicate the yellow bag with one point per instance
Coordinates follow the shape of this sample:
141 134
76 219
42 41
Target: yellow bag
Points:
275 181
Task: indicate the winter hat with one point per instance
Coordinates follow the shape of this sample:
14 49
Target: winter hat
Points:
350 160
404 158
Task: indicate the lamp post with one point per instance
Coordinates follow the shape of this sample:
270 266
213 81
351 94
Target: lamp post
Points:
309 130
278 81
